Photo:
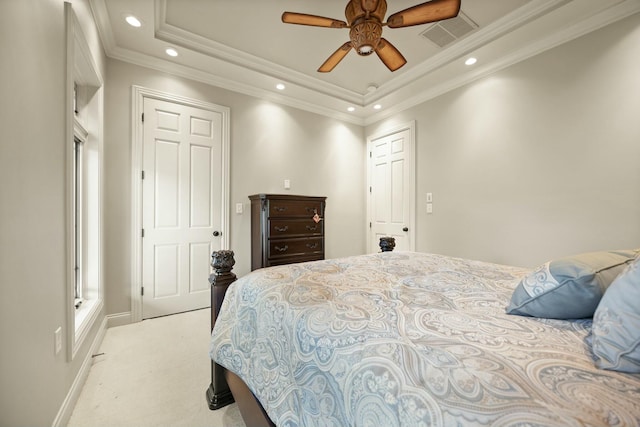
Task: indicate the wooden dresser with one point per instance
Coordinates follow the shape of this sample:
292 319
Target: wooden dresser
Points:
284 230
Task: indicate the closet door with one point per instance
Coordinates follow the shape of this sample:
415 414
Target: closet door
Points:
392 190
182 193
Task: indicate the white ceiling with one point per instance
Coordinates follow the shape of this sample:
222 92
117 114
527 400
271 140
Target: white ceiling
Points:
242 45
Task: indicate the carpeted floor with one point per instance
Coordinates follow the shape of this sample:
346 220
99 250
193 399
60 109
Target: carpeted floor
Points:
153 373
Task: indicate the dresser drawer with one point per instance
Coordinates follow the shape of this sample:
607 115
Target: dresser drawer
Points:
295 208
294 227
282 248
291 260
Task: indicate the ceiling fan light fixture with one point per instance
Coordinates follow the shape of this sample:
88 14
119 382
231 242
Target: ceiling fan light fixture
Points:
365 50
365 37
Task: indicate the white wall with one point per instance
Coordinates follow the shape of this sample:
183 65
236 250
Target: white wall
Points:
536 161
269 143
33 241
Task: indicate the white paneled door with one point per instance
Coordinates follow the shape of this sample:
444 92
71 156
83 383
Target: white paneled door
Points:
392 189
181 192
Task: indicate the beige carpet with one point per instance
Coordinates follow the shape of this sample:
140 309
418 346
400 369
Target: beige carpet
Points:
153 373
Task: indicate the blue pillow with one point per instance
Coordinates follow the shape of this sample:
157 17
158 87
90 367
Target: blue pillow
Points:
568 288
615 334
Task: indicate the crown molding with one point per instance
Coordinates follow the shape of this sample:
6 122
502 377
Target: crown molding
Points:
101 17
211 79
316 96
172 34
480 37
608 16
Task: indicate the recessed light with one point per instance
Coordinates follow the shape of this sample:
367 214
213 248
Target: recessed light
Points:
470 61
377 107
280 86
351 109
133 21
171 51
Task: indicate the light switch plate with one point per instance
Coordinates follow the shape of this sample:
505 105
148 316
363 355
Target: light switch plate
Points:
429 197
239 208
429 208
58 339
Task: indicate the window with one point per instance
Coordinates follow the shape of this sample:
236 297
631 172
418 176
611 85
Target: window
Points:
85 242
85 299
78 141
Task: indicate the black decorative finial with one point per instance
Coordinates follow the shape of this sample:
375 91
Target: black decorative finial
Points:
387 244
222 261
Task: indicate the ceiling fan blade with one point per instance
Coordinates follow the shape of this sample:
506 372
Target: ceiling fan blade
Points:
391 56
431 11
312 20
335 58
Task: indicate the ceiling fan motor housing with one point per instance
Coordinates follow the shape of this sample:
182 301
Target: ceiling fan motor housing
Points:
365 19
365 37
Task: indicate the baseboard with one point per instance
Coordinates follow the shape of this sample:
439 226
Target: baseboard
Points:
119 319
64 414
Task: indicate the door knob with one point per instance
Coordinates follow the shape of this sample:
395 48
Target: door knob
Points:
405 229
216 233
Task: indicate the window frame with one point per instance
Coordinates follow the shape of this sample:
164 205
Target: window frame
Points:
84 175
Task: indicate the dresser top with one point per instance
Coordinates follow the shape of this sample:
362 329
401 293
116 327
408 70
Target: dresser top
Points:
263 196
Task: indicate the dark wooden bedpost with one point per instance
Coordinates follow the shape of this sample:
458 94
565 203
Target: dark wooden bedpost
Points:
387 244
218 393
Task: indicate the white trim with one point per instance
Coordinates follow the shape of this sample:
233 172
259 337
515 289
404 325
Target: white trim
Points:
601 19
138 95
118 319
87 318
411 127
70 22
81 68
66 409
319 97
175 35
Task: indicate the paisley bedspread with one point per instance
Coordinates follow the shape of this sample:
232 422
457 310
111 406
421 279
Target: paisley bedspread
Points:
410 339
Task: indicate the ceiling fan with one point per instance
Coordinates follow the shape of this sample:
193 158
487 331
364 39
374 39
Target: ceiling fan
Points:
365 20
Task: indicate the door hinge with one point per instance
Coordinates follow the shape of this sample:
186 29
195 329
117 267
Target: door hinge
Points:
142 117
142 291
142 174
142 234
370 154
370 189
370 225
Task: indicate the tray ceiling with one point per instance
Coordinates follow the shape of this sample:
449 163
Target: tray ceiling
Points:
243 46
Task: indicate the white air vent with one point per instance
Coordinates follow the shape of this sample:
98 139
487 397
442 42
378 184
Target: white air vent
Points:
445 32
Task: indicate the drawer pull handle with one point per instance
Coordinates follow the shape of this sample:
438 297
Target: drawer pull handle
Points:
279 209
282 229
312 245
281 249
312 227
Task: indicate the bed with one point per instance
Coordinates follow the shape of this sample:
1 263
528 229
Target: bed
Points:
409 339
